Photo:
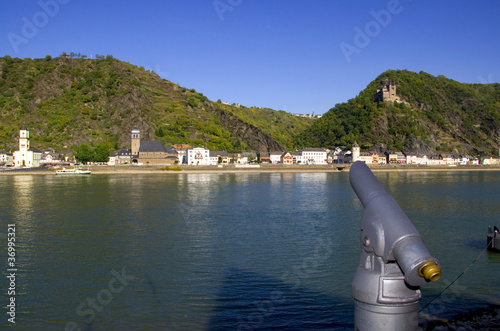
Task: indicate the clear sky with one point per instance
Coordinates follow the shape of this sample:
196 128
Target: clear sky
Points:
294 55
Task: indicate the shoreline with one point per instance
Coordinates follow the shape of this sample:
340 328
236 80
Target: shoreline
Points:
478 319
130 170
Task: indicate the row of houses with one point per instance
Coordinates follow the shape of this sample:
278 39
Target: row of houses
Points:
28 156
391 157
184 154
204 156
155 153
34 158
308 156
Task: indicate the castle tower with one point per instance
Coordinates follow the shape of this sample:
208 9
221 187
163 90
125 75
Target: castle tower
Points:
385 92
135 141
392 92
355 152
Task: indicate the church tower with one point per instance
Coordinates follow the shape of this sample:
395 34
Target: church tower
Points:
24 146
355 152
24 157
135 141
24 140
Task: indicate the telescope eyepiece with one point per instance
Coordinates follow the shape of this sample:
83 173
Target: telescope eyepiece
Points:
430 271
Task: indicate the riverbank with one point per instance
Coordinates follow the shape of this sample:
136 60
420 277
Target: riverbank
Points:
128 169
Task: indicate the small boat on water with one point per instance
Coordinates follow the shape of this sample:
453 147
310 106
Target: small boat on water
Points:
74 171
493 239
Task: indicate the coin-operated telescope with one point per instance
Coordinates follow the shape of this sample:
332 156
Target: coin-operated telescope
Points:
394 261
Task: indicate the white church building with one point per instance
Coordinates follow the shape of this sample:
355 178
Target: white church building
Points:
26 156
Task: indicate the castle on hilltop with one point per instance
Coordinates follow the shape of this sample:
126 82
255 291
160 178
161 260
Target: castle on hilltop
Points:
387 92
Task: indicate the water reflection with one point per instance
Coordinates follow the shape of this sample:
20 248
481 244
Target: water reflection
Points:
23 199
23 210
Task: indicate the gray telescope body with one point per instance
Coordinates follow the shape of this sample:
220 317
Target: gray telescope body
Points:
394 261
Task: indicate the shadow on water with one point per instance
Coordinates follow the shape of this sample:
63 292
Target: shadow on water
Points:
251 301
478 244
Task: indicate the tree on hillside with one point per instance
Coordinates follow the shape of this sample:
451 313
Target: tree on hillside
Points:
159 132
101 153
84 153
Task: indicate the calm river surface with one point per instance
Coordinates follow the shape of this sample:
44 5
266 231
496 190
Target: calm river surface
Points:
227 251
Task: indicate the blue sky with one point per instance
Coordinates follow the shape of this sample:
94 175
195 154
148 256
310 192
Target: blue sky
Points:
294 55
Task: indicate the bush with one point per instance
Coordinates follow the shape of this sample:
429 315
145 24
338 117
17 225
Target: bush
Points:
192 102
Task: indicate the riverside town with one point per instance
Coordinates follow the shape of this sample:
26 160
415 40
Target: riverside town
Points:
155 153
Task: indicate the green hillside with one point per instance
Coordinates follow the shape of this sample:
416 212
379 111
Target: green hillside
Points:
67 101
436 114
279 124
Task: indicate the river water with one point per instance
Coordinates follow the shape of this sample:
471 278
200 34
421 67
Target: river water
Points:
227 251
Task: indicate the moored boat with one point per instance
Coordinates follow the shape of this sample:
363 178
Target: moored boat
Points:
75 171
493 239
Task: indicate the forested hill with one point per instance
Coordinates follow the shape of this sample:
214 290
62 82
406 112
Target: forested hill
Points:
66 101
435 115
